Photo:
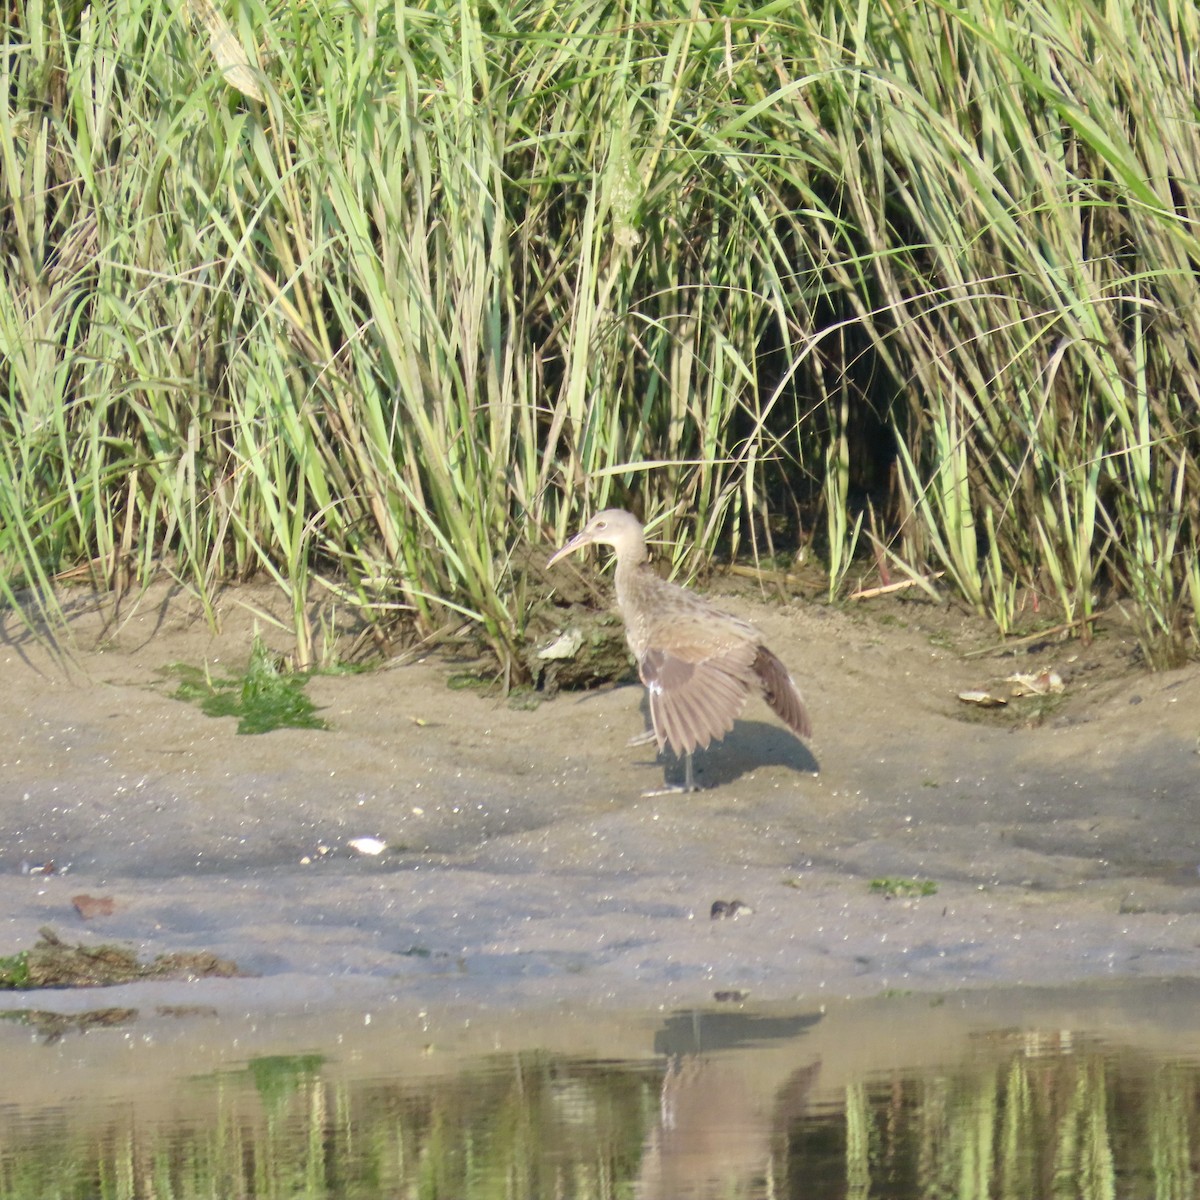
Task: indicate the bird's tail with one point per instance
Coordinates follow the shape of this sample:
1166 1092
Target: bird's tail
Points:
781 693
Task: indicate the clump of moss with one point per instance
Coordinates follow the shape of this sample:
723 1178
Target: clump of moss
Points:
891 889
580 648
14 970
51 963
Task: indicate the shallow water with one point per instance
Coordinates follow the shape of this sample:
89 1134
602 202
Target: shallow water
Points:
1011 1094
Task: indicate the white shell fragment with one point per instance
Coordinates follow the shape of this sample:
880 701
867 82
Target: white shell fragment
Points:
1044 683
983 699
367 845
565 646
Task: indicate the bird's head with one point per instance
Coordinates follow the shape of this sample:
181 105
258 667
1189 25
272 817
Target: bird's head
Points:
612 527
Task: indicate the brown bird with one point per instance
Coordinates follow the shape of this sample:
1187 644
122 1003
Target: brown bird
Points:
699 664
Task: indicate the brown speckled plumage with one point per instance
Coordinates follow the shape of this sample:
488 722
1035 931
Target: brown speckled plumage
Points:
699 664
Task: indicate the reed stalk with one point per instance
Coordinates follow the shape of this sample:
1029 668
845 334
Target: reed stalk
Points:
368 298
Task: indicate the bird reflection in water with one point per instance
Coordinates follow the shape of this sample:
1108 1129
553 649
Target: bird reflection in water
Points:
716 1132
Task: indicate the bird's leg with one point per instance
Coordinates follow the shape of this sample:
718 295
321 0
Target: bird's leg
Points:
676 789
668 789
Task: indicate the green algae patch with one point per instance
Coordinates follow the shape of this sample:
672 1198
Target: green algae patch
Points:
892 889
14 970
266 696
52 963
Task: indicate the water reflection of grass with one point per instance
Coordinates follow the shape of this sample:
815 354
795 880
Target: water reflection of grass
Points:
1019 1118
1064 1122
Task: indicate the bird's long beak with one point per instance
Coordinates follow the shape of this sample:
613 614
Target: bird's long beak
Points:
568 547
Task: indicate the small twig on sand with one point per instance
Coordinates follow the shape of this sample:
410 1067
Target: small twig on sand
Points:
763 575
1040 634
900 585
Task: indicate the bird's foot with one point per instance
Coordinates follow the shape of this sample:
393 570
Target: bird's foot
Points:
642 739
672 789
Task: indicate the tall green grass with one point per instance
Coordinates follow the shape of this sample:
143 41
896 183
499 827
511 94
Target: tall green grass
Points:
369 297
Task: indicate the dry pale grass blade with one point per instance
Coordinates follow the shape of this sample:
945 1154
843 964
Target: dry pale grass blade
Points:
227 51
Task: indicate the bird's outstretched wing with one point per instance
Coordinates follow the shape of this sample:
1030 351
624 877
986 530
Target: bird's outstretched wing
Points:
781 693
696 689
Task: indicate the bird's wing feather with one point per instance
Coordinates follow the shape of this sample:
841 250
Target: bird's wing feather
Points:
697 635
696 698
699 663
781 693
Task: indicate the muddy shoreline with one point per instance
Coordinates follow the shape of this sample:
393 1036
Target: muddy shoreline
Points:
523 866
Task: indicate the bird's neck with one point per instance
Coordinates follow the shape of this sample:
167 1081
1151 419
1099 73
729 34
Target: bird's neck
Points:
632 561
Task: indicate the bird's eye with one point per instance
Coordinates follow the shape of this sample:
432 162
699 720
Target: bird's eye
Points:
601 524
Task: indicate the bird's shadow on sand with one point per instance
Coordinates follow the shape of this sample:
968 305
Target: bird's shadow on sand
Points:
751 745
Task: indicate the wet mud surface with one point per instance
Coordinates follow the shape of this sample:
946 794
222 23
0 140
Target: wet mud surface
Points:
522 865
